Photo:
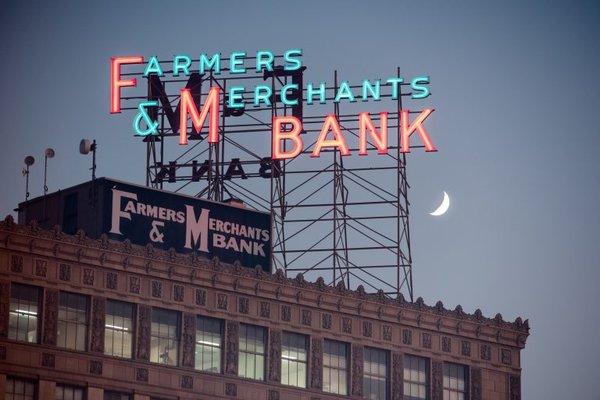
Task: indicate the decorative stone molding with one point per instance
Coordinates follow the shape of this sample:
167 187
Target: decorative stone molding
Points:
48 360
4 308
187 382
231 347
274 374
306 317
406 337
485 352
2 352
96 367
88 277
446 344
506 356
286 313
188 346
397 376
514 387
112 281
64 272
200 297
16 263
326 320
465 348
243 305
41 268
273 395
426 340
156 289
143 332
437 389
265 309
476 392
386 333
134 284
230 389
222 302
357 370
50 317
367 329
316 363
141 374
98 322
347 325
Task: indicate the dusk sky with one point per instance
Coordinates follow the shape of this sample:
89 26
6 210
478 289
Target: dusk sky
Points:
516 90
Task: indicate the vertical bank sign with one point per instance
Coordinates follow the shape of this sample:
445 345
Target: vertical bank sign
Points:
187 224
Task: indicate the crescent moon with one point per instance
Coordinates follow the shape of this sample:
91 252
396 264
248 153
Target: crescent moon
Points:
441 210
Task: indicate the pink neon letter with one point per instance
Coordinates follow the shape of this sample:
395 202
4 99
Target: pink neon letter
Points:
406 131
116 83
211 105
380 141
278 135
331 124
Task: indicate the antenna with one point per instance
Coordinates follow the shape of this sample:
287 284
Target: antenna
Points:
49 153
85 146
29 161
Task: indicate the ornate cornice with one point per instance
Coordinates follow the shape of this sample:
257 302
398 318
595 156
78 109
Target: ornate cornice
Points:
154 256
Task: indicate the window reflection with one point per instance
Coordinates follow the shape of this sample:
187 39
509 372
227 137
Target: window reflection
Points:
164 336
208 344
294 349
335 367
23 319
72 321
251 359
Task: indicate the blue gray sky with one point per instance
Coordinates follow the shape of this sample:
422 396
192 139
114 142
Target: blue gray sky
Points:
515 87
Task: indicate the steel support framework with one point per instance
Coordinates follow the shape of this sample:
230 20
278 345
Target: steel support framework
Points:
345 218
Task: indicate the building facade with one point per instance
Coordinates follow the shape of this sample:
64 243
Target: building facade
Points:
91 319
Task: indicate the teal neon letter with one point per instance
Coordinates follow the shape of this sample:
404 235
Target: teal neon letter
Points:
395 85
212 64
418 84
292 60
237 60
236 100
267 63
181 63
284 91
344 92
265 97
374 90
311 91
153 67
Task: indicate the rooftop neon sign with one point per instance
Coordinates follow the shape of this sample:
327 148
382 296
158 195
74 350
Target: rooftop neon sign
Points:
284 129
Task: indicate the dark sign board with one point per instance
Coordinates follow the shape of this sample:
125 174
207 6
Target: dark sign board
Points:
165 219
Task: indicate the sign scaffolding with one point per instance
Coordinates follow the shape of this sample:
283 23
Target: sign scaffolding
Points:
340 216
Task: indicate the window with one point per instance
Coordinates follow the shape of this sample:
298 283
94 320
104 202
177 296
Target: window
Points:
454 382
19 389
23 321
164 341
416 378
110 395
335 367
72 321
251 360
294 359
375 374
64 392
208 344
118 329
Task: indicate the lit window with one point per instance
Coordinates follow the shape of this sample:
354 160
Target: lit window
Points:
455 382
19 389
335 367
293 359
164 341
118 329
64 392
416 378
72 321
24 303
110 395
375 374
208 344
251 360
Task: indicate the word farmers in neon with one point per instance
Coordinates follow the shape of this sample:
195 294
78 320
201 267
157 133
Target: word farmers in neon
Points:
287 131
